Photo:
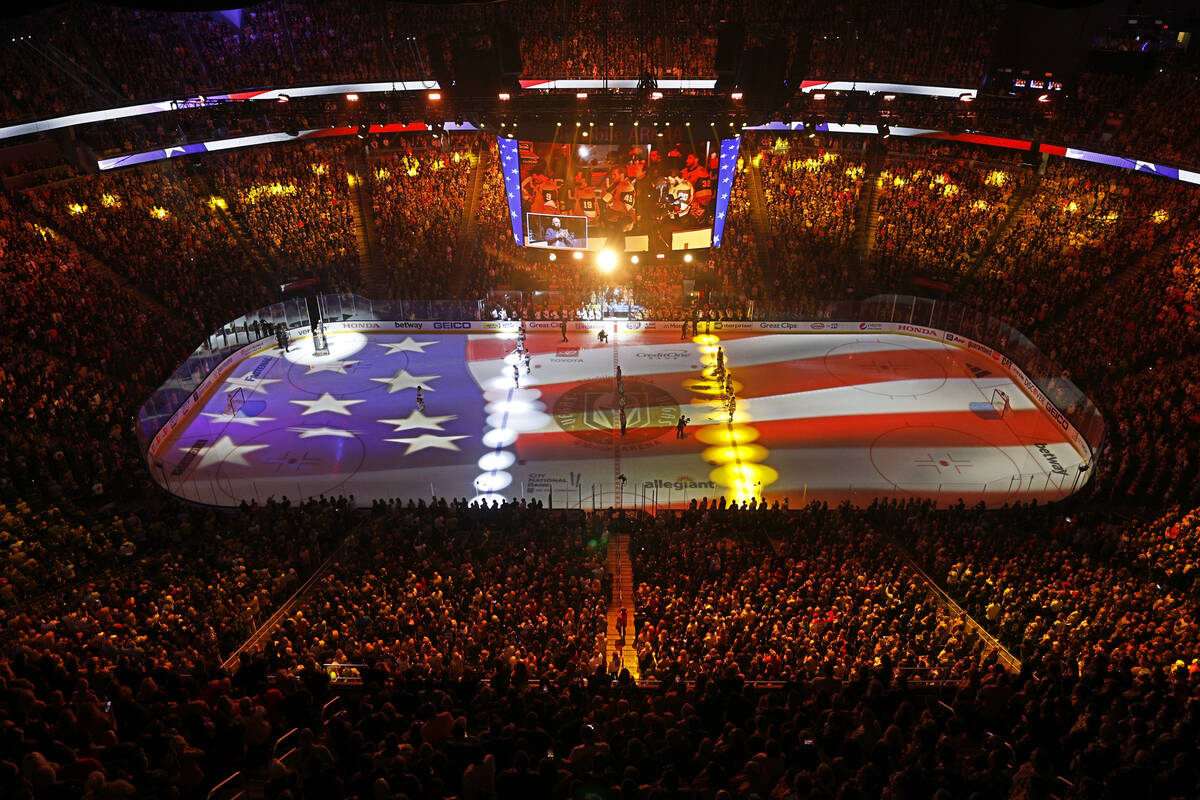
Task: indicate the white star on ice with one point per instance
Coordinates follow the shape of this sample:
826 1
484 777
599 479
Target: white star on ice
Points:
235 418
309 433
418 420
428 440
325 402
330 366
225 451
245 382
402 380
407 346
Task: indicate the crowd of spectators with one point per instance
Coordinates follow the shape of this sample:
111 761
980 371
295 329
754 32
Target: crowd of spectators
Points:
1056 590
442 592
78 56
419 198
935 219
815 593
810 196
295 204
114 685
1078 228
153 227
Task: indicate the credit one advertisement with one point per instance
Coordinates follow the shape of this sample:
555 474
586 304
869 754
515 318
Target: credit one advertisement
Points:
582 196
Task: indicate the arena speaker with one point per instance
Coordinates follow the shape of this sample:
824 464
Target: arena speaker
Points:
474 68
435 46
731 38
508 48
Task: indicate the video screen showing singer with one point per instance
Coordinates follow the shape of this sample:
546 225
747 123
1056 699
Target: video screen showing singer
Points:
556 230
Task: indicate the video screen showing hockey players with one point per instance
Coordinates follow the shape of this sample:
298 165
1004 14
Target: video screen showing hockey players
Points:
654 197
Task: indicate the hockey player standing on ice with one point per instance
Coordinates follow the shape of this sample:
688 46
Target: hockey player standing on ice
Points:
516 376
281 336
564 330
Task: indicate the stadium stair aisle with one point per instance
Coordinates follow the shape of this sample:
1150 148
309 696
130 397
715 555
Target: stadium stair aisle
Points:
264 631
464 247
370 268
1105 291
265 261
620 569
1017 202
866 211
100 268
1006 658
761 224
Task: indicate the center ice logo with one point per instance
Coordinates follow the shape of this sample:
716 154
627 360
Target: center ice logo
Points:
591 412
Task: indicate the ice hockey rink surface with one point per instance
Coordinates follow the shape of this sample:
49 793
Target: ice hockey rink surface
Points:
827 415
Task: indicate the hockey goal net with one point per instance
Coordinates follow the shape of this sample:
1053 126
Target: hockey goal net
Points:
234 401
1000 402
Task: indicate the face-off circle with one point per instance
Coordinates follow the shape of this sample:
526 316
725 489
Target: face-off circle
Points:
591 412
875 367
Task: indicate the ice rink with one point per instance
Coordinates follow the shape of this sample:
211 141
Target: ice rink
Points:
830 415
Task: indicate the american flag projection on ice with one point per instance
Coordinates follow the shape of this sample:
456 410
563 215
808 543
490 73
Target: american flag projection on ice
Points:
305 428
837 415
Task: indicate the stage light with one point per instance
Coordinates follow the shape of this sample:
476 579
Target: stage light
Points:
283 98
687 124
661 255
633 259
554 256
818 96
585 133
577 255
606 261
363 130
581 95
966 98
558 124
435 96
611 123
889 98
1045 98
353 98
504 96
578 123
687 258
656 95
735 96
636 123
